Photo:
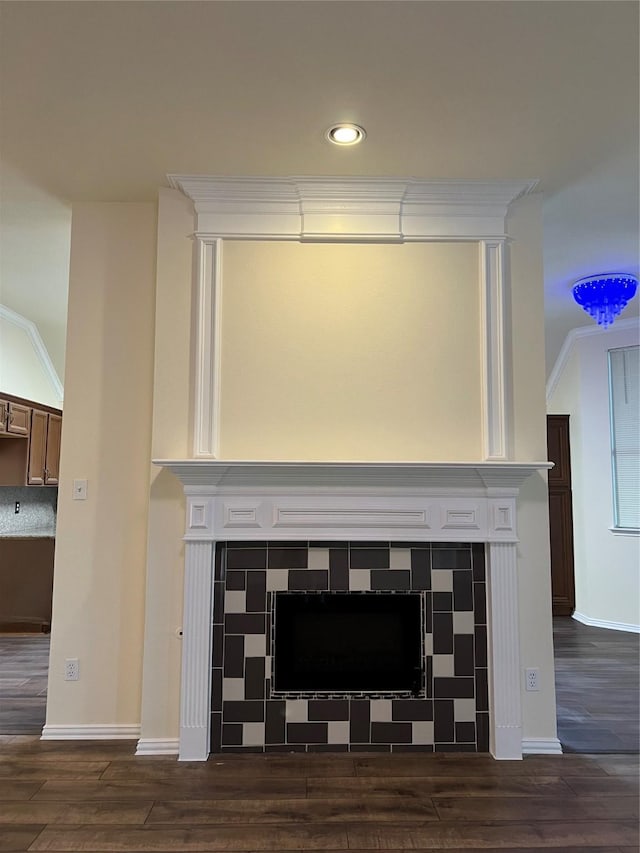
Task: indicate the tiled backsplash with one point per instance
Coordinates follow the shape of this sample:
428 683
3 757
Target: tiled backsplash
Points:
37 516
451 715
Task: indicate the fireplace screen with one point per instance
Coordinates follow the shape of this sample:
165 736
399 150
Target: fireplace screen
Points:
348 642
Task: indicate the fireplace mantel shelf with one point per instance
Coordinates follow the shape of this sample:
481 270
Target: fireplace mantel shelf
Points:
228 474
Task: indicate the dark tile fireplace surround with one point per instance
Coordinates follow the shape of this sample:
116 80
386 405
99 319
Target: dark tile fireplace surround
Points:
450 712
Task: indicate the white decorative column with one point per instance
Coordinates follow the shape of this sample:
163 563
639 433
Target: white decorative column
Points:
206 421
195 684
496 421
505 709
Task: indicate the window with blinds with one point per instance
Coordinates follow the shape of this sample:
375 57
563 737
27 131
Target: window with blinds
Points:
624 395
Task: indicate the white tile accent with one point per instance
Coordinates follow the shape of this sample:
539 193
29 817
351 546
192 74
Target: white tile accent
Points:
423 732
235 601
253 734
442 666
233 689
441 580
297 711
255 645
464 710
277 580
381 710
428 644
463 622
338 731
400 558
318 558
360 580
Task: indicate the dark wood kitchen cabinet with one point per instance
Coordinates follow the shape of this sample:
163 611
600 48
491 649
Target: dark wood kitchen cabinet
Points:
30 435
44 449
14 418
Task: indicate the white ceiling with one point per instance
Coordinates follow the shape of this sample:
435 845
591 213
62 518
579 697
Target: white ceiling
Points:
100 100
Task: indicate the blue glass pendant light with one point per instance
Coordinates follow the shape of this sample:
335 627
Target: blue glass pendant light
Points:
605 296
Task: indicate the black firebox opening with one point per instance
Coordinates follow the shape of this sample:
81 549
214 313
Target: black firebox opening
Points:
348 642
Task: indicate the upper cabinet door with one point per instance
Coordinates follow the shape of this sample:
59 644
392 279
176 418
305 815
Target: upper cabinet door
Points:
52 462
37 448
18 421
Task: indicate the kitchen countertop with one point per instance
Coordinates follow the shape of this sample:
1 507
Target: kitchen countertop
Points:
35 533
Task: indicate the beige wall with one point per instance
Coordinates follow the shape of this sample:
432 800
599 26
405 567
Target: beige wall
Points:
341 352
98 599
530 444
21 369
606 563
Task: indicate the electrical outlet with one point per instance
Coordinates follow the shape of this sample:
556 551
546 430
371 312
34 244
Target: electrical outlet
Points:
17 509
71 669
532 679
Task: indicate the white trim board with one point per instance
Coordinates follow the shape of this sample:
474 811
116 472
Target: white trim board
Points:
158 746
605 623
38 346
90 732
583 332
541 746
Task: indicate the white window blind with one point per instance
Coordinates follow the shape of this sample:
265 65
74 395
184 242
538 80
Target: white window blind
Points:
624 391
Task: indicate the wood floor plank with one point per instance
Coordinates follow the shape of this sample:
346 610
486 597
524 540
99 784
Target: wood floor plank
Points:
257 766
191 840
539 835
610 786
15 839
296 811
167 789
537 808
18 790
113 812
440 786
460 764
68 770
619 765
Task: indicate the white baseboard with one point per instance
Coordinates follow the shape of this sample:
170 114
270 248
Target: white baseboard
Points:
112 732
604 623
158 746
541 746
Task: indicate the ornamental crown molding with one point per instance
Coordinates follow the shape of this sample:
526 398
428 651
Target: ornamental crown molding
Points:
484 477
350 208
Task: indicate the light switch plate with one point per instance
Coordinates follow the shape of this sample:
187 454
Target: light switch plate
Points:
79 490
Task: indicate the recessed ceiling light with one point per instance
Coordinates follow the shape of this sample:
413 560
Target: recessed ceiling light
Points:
345 134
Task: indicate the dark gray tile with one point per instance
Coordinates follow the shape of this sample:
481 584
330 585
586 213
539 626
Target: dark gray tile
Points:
420 569
216 689
360 723
453 688
465 732
478 562
481 645
288 558
339 576
482 690
394 579
219 561
369 558
236 580
245 623
310 579
442 602
391 732
328 747
451 558
463 660
246 558
231 734
234 657
256 600
242 712
412 747
442 634
274 729
429 677
370 747
216 732
307 733
482 731
455 747
462 590
328 709
411 709
479 604
443 728
254 687
218 603
338 557
218 645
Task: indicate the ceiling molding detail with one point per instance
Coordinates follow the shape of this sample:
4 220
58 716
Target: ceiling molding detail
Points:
583 332
38 345
350 209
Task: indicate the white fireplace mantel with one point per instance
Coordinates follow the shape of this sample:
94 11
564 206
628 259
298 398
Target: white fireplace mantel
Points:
385 501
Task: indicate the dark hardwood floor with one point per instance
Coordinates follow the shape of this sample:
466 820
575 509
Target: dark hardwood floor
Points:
597 688
97 797
24 665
